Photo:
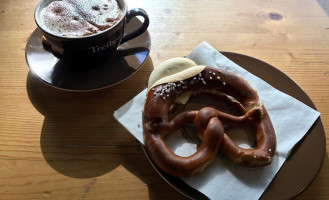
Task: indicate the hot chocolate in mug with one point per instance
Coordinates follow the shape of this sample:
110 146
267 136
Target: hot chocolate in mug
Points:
82 28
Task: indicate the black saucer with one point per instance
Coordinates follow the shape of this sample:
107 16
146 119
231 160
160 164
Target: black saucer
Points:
91 75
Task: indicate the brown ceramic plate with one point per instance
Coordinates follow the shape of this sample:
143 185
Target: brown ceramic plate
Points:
85 76
305 161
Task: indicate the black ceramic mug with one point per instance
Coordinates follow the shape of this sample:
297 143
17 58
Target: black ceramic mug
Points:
100 44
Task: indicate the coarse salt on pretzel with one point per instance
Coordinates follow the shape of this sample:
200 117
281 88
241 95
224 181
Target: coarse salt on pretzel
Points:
174 81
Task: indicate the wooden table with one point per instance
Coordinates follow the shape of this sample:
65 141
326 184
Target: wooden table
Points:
64 145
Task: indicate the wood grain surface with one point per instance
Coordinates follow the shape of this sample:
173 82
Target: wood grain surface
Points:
61 145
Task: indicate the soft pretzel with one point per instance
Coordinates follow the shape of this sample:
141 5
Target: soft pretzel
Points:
176 86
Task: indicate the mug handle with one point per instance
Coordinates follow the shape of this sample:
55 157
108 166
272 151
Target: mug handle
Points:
133 13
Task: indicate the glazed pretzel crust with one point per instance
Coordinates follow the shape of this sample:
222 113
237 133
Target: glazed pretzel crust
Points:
208 123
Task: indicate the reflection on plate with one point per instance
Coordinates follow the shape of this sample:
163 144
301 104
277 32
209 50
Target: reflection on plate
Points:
305 161
68 75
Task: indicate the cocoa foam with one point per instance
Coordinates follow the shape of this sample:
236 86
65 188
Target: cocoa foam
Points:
80 17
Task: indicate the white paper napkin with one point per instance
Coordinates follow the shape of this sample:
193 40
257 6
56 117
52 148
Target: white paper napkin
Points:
223 180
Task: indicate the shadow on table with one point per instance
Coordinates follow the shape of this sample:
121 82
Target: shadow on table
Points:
79 135
75 130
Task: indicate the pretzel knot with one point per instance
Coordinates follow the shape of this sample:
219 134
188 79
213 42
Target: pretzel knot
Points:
208 122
